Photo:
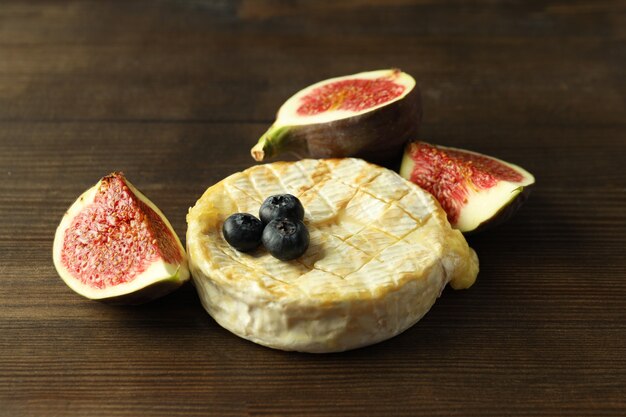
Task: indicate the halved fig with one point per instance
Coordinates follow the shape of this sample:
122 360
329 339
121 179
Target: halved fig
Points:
114 245
370 115
476 191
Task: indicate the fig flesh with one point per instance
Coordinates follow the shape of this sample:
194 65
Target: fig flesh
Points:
370 115
114 245
476 191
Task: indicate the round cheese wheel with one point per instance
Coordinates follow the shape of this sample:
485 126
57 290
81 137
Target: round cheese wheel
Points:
381 252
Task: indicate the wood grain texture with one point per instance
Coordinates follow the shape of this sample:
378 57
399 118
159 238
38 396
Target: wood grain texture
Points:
175 93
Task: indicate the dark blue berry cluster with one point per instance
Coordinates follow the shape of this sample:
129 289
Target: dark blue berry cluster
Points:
280 228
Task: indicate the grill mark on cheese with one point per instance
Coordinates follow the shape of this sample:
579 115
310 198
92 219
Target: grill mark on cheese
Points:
241 201
304 187
263 188
247 267
282 179
321 172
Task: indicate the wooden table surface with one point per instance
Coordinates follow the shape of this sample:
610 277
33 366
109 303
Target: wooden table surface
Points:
175 93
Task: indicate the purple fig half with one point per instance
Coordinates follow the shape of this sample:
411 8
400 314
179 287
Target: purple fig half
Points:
370 115
476 191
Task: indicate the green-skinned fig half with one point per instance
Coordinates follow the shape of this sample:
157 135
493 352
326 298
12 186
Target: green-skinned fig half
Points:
114 245
476 191
370 115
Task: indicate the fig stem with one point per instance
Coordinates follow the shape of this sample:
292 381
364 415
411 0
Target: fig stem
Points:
270 143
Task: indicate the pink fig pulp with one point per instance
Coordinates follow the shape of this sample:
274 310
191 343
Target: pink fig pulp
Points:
475 190
113 244
370 115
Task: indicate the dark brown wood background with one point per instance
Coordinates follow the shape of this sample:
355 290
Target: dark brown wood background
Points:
175 93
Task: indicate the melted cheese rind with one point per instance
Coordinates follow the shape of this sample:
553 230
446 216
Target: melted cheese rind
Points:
380 254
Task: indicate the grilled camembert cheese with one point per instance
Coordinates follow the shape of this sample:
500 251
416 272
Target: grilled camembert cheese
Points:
381 252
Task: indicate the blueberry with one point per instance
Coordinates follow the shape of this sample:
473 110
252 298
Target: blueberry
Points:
286 239
243 231
281 206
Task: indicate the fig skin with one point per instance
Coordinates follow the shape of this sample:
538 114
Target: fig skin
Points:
377 136
505 213
148 293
